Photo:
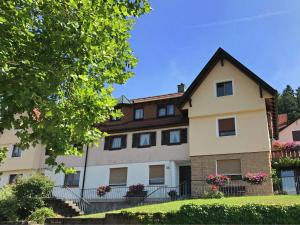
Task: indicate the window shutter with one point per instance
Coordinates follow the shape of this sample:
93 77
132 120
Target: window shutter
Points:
135 140
183 135
153 138
124 141
165 137
106 143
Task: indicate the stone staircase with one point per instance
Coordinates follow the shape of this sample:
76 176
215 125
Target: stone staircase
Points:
66 208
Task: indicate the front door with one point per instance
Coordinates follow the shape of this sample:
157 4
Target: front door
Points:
185 180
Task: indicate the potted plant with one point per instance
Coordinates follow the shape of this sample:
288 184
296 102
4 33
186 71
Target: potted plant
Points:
217 180
255 178
102 190
137 190
173 194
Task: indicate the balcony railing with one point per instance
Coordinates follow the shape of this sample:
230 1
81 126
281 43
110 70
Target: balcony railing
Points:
293 153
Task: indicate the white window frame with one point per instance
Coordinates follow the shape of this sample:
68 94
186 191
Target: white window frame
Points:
235 126
222 81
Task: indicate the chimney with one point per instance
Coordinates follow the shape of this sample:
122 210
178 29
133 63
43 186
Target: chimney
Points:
181 88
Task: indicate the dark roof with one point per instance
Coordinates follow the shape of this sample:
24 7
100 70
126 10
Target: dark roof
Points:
282 121
221 54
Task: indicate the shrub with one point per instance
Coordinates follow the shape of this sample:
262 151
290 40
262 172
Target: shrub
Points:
255 178
40 215
226 214
213 193
30 193
8 204
217 180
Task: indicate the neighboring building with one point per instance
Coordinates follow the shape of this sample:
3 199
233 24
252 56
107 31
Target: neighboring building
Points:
223 123
291 132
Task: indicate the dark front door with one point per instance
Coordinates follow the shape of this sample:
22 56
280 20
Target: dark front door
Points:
185 180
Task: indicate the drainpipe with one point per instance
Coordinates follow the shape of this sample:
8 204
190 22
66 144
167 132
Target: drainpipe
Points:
84 170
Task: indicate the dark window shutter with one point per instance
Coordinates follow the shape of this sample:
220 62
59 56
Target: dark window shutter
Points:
124 141
165 137
135 140
153 138
183 135
106 143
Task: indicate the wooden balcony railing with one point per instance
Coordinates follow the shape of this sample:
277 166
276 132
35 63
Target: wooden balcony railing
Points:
293 153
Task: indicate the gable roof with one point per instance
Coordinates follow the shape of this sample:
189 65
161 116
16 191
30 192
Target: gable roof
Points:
221 54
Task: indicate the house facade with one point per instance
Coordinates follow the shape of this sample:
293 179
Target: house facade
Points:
222 124
290 132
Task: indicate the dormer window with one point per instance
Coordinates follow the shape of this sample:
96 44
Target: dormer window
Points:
224 88
168 110
138 114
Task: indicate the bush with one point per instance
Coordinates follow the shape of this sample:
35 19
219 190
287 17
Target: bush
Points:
8 204
213 194
226 214
30 193
40 215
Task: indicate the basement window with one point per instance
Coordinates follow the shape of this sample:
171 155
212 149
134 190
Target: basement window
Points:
230 168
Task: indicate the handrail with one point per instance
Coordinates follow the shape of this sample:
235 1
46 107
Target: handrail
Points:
67 194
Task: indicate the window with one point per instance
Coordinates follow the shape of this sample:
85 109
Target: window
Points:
13 178
157 174
226 127
115 142
118 176
174 137
72 180
139 114
16 152
112 119
230 167
296 135
168 110
224 88
142 140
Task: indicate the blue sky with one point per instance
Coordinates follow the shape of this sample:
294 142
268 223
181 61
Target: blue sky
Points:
178 37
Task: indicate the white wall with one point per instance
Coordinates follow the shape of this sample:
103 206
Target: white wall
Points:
136 173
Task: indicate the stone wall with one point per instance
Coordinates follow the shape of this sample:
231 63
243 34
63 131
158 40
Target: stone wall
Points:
202 166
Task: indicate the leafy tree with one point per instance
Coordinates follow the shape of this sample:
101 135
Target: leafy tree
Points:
59 60
287 103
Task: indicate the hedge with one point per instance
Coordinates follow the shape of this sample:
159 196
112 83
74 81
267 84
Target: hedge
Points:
223 214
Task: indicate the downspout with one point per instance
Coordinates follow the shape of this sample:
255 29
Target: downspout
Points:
84 171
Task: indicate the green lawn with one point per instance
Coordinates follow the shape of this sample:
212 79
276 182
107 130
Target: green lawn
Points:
173 206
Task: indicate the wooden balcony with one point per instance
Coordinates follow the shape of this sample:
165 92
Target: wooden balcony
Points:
293 153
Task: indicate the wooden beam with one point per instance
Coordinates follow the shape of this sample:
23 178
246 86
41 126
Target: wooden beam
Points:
260 91
190 102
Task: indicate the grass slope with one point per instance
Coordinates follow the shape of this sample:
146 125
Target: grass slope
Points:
175 205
